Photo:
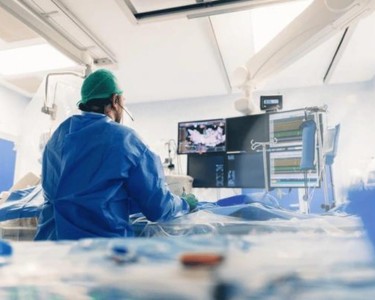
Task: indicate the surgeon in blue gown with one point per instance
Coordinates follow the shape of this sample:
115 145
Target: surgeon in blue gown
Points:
96 172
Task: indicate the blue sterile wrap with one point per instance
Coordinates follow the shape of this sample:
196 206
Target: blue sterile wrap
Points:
308 145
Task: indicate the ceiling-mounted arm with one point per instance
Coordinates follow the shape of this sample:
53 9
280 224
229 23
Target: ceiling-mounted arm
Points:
37 24
315 25
52 110
34 14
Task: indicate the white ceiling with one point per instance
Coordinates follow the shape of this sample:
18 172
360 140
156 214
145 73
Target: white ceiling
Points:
195 58
156 61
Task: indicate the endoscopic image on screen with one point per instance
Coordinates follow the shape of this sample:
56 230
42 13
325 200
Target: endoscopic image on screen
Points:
201 136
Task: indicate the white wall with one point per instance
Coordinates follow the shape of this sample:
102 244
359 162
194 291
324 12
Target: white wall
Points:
12 106
351 105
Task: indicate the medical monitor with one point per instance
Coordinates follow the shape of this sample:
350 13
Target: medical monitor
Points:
208 136
207 170
245 170
270 103
285 127
242 130
285 155
285 172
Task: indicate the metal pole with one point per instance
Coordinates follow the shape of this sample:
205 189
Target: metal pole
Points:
321 161
264 145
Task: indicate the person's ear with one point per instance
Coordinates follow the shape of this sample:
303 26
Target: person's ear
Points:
115 100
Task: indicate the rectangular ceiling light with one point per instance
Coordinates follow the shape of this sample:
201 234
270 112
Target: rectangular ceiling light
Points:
152 10
32 59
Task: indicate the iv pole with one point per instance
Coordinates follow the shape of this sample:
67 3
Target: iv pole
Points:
316 110
254 146
321 158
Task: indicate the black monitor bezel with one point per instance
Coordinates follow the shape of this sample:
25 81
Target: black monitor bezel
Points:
208 155
271 107
224 156
244 186
246 149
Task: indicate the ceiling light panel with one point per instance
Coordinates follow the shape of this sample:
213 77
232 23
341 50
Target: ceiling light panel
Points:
152 5
32 59
151 10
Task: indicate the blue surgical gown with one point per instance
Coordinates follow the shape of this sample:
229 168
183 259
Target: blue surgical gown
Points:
95 173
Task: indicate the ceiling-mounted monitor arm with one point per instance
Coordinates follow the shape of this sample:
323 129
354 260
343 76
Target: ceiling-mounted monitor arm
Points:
315 25
52 110
33 16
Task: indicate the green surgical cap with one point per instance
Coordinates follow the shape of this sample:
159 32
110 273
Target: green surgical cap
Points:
101 84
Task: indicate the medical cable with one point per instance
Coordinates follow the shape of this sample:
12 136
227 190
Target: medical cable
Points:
127 111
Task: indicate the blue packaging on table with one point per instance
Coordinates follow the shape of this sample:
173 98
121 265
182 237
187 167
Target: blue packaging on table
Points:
362 203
